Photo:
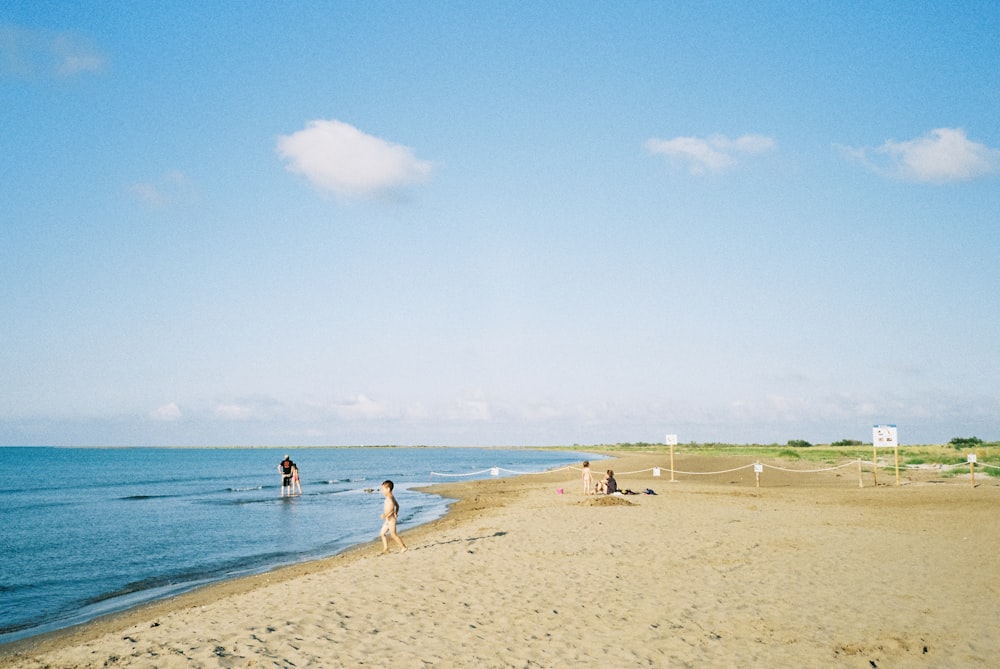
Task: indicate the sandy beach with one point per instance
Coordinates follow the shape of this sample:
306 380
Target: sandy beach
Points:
809 570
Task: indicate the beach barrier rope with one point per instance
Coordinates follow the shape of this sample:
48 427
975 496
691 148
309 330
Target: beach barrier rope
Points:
495 471
810 471
944 467
664 469
936 465
678 471
481 471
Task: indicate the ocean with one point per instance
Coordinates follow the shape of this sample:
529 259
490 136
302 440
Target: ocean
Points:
90 531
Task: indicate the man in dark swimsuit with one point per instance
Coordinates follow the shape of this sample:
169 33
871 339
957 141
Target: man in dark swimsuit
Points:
285 469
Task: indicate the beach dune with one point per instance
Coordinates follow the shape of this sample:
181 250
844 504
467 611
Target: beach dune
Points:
807 570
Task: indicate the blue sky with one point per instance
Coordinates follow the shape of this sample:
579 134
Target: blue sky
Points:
498 223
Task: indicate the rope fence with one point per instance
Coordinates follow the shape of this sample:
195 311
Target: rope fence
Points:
495 471
945 467
758 468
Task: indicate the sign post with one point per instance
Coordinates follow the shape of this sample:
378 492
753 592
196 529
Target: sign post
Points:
885 436
972 468
671 442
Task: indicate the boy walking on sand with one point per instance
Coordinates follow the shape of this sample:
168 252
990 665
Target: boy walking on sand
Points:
390 512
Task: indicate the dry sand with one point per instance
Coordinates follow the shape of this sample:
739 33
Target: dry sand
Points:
809 571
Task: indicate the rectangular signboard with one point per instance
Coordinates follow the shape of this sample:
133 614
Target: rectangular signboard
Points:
884 436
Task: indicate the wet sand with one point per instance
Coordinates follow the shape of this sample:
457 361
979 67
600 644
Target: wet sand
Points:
807 570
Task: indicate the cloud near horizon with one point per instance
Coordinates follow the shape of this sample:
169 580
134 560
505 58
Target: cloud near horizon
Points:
167 412
359 407
472 418
341 159
715 153
942 155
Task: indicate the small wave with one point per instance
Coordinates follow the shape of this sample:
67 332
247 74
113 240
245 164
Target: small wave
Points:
239 502
34 506
17 627
183 579
357 479
247 489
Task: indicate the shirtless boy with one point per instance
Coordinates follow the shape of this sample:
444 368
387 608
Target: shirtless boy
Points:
390 512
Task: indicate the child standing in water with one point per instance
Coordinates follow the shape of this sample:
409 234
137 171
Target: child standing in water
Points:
390 512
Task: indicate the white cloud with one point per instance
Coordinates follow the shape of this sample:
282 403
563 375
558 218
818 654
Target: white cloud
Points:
251 408
147 192
167 412
173 187
359 407
234 411
73 55
27 53
716 153
258 408
472 408
337 157
942 155
471 417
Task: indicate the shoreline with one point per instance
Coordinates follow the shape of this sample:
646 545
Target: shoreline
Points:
198 594
84 631
62 579
735 573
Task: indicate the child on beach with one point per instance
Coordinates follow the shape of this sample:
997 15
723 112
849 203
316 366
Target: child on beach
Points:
390 512
588 480
295 480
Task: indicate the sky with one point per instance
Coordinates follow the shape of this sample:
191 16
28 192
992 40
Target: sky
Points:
471 223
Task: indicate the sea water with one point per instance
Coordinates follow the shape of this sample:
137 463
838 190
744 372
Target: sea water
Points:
89 531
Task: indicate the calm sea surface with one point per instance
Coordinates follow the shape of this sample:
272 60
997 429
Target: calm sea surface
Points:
88 531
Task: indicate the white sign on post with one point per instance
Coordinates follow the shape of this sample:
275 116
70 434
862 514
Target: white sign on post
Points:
971 458
656 471
758 468
671 440
884 436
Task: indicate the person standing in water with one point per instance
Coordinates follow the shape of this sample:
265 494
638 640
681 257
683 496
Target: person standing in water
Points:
390 513
285 468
